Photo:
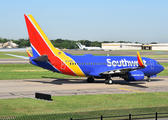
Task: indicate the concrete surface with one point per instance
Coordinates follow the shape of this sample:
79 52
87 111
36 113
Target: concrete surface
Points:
77 86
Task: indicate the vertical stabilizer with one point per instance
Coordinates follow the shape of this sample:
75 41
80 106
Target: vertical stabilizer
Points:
40 44
80 45
43 50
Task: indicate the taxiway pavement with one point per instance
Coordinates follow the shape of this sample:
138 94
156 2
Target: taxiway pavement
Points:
14 61
77 86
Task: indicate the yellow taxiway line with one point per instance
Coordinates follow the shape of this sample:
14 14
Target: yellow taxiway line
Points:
132 90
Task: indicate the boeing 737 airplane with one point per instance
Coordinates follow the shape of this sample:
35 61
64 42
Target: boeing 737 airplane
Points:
83 47
45 55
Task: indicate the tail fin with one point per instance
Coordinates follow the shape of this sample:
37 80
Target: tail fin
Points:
40 44
80 45
43 50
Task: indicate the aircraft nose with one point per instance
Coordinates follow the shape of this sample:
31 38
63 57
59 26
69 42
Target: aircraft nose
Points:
162 68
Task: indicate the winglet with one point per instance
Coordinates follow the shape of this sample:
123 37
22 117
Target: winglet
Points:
140 60
29 54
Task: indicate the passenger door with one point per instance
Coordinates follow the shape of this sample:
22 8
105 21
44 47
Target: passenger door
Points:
152 64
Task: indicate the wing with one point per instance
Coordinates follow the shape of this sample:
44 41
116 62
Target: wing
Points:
125 70
118 71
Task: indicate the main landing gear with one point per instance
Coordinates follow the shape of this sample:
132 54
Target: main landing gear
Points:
107 80
90 80
148 79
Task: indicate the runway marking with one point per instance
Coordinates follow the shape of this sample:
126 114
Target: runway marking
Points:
132 90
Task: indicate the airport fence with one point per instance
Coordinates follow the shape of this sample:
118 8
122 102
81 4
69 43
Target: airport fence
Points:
125 114
122 117
129 117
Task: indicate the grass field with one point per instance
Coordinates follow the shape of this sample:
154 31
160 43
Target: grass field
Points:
84 105
2 55
28 71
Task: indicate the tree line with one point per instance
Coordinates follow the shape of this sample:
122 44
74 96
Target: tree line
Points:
62 43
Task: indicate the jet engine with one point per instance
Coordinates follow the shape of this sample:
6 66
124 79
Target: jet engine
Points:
133 75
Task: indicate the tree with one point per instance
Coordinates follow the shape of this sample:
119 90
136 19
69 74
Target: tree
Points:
3 40
153 43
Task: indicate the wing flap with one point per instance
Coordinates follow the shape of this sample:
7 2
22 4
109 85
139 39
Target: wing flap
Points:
116 71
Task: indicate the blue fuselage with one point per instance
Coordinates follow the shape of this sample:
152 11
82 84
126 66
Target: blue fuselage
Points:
98 64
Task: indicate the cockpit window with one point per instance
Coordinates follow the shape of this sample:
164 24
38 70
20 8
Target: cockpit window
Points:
158 63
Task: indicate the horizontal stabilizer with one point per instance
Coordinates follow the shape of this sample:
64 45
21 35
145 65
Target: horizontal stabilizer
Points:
41 58
23 57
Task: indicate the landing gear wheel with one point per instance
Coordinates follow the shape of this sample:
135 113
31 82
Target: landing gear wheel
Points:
90 80
108 81
148 79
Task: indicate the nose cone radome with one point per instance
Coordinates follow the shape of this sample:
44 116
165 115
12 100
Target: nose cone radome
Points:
161 68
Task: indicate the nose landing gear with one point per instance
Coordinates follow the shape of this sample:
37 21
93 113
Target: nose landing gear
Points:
148 79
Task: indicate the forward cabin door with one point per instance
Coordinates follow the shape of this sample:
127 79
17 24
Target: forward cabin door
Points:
152 64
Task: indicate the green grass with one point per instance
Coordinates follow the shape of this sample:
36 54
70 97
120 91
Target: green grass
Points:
28 71
145 50
165 71
87 105
155 56
2 54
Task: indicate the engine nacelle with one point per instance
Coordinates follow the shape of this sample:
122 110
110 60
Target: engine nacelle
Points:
134 76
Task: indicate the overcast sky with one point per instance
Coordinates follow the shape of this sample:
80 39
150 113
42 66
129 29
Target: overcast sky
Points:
96 20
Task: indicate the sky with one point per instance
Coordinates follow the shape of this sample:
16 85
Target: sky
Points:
142 21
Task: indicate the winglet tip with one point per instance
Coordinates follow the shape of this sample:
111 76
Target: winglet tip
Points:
140 62
29 54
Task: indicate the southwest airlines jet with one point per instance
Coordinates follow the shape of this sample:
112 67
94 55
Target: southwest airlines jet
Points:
45 55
